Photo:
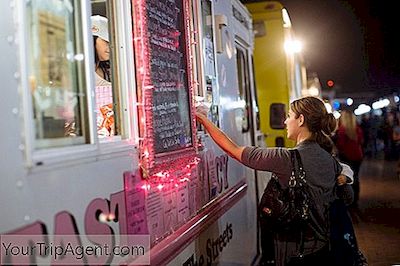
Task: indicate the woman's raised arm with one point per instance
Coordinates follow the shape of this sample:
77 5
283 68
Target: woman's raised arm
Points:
222 140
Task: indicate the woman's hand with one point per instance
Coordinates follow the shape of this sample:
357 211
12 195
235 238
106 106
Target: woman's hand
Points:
201 111
200 116
341 180
222 140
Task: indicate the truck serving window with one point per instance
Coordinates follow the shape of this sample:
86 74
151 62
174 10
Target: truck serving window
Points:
111 35
56 74
277 116
103 66
243 81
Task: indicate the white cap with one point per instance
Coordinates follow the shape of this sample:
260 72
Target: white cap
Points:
100 27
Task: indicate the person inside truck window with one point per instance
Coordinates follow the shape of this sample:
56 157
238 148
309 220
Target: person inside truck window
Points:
102 50
104 99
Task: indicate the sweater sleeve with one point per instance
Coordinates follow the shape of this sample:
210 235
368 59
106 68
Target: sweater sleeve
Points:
276 160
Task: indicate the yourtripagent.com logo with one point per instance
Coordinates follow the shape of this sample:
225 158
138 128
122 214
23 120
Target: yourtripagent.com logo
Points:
75 249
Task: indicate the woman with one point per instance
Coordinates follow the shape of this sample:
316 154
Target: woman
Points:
309 124
101 51
105 112
349 142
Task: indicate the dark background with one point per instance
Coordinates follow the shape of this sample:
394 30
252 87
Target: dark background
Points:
354 43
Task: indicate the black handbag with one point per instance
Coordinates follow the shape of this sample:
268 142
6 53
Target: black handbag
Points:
286 209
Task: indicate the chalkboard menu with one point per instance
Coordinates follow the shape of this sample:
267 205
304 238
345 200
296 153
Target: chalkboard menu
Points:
169 76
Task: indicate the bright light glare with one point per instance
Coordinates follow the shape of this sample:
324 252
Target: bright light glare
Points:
362 109
229 104
313 91
336 114
349 101
103 218
328 107
293 46
79 57
286 19
396 99
380 104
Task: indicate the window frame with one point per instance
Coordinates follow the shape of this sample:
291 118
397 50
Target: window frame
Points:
120 21
274 109
94 149
244 88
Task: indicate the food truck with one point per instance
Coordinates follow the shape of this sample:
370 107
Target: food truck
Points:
279 67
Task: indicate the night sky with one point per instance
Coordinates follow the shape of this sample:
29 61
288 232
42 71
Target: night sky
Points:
351 42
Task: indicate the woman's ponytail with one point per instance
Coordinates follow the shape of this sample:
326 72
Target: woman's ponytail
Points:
328 127
320 123
328 124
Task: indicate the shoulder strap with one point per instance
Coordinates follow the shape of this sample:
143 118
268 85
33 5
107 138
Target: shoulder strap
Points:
297 173
293 160
295 155
299 160
299 178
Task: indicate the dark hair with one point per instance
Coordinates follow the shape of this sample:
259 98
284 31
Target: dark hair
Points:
319 122
103 65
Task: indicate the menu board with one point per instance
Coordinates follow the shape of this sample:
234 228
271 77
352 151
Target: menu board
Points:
169 75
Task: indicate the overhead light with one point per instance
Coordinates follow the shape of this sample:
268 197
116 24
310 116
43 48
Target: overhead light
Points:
293 46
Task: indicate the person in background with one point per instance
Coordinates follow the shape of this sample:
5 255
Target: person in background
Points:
105 112
310 125
349 144
365 125
396 141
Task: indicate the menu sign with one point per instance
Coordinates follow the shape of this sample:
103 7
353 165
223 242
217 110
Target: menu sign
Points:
168 74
